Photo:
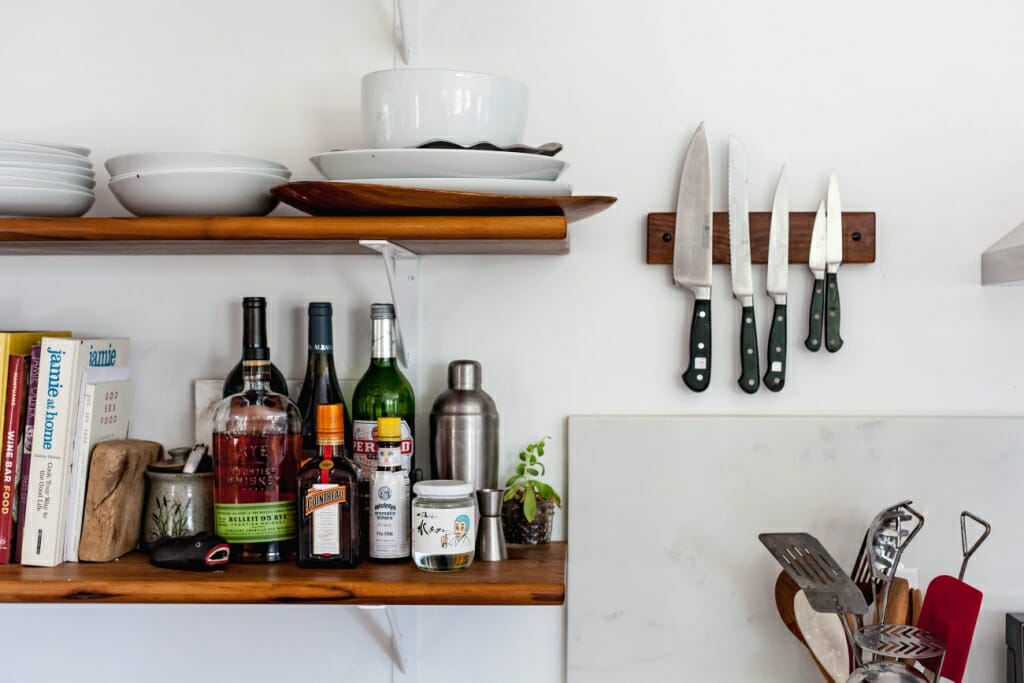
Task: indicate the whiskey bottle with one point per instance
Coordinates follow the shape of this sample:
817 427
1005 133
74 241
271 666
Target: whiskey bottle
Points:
320 387
254 344
389 495
328 506
256 442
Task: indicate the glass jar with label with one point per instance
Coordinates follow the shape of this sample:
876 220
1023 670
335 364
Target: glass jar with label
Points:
443 525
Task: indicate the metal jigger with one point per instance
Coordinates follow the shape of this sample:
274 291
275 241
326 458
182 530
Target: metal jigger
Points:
490 542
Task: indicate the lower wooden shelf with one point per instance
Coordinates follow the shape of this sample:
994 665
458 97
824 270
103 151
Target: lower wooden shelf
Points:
531 576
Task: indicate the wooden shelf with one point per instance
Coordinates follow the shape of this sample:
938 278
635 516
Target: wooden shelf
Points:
531 576
858 236
443 234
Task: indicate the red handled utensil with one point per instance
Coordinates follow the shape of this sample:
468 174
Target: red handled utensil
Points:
951 608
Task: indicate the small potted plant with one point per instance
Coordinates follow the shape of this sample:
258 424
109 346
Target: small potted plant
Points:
529 504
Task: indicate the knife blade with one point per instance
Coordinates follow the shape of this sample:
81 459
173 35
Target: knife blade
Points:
816 262
778 284
834 257
691 254
742 275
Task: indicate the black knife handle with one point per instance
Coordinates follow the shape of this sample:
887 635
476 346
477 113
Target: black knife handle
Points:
750 379
698 374
833 342
815 317
775 378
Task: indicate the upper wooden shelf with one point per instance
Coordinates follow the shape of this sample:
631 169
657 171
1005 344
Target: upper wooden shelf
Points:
531 576
443 234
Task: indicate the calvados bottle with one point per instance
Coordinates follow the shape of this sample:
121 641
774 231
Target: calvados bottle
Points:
254 345
389 495
328 506
320 386
383 391
257 440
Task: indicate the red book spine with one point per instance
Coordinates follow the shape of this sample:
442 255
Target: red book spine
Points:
26 456
10 460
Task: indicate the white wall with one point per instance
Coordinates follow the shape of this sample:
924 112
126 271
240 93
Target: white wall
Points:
916 105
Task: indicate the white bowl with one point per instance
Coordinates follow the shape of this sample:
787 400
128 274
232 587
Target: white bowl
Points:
167 161
59 158
44 201
61 168
208 192
78 180
48 146
283 175
407 107
18 181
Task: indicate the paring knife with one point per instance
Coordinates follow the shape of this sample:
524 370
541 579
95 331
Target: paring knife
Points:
816 262
778 284
834 257
742 275
691 254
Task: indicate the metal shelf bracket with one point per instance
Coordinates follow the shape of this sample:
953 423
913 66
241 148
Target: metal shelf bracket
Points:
403 270
403 625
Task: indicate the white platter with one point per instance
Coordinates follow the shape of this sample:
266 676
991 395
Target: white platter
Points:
532 188
57 158
39 202
203 193
166 161
59 168
78 180
436 163
48 147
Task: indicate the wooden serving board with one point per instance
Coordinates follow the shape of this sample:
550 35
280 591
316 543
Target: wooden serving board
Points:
858 236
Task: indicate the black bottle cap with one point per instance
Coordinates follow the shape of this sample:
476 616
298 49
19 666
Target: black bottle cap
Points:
320 308
254 302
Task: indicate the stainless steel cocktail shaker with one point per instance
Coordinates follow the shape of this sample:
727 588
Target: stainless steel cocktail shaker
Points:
464 429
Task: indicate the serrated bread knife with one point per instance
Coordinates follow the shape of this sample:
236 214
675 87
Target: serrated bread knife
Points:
816 262
778 284
691 254
833 259
742 275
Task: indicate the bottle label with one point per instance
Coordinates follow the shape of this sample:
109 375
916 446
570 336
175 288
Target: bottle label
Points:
364 447
443 531
255 522
322 501
389 456
389 515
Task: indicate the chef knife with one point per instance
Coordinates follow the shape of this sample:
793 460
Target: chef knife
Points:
816 262
778 284
691 254
834 257
742 275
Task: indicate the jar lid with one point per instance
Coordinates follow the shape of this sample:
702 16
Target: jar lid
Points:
442 488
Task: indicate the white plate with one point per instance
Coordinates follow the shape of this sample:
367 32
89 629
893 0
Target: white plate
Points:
48 146
45 158
80 181
60 168
533 188
40 201
283 175
12 146
185 193
166 161
436 163
17 181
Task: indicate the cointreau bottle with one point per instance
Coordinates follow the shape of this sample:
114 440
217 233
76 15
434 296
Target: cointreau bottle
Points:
328 502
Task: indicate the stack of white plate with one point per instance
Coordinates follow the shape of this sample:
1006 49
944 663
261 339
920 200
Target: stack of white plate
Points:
45 179
462 170
195 183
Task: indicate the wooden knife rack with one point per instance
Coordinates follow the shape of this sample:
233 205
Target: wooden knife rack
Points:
858 236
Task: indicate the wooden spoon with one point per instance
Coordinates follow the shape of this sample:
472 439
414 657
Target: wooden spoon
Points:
898 607
786 591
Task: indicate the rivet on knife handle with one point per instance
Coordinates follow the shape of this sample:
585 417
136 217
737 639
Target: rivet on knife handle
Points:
698 374
814 318
750 380
775 378
833 342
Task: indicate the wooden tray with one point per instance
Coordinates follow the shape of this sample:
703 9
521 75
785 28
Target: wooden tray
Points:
324 198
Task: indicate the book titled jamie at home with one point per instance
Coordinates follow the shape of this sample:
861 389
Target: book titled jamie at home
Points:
60 374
